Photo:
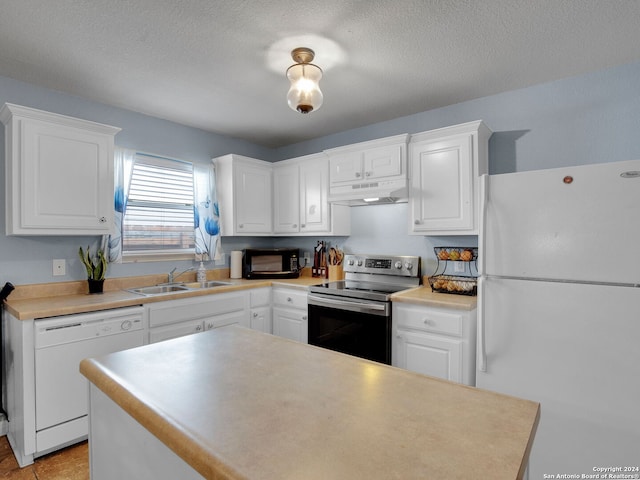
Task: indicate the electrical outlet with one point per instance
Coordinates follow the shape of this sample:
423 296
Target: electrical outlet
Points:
59 267
458 267
221 260
307 258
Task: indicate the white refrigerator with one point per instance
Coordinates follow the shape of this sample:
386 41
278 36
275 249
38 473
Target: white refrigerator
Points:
559 311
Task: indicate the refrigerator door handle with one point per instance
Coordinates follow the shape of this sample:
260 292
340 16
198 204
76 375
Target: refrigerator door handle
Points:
484 195
481 347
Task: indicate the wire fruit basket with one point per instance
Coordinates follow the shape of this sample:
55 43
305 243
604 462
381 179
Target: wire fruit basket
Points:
464 279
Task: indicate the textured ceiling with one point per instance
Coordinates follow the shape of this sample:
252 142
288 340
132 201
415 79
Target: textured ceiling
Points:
220 65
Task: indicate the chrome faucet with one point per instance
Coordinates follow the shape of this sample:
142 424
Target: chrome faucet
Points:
172 277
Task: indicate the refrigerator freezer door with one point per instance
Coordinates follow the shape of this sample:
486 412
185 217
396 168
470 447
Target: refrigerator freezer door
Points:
574 349
575 223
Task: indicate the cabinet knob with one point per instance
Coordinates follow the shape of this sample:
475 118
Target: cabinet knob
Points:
304 317
295 225
241 226
427 322
367 174
255 314
198 328
358 174
103 220
303 225
289 299
416 222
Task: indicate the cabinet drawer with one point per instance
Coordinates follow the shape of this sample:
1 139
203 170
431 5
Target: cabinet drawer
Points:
260 297
430 320
290 298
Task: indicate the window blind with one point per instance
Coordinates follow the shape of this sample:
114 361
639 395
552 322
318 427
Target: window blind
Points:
159 211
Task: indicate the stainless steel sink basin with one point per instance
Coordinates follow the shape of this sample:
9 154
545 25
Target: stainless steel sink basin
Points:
159 289
209 284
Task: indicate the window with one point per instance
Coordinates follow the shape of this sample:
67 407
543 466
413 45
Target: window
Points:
159 214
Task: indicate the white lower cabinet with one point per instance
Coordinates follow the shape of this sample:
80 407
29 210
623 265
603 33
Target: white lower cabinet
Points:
439 342
260 312
176 318
290 316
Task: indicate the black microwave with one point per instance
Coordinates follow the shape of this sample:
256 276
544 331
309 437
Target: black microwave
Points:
271 263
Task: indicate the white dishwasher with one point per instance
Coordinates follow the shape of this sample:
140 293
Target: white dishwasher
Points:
60 390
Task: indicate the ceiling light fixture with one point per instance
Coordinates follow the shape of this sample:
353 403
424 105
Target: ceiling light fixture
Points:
304 94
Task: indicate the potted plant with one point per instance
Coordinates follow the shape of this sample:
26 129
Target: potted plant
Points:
96 269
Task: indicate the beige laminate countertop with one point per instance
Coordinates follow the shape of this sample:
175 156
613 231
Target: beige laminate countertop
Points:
50 300
270 408
51 303
425 296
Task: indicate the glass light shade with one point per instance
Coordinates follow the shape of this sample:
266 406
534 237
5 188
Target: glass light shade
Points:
304 94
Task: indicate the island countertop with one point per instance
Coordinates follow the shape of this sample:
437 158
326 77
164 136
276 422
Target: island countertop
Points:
235 403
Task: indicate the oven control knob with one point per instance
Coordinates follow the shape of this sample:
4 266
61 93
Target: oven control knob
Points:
359 263
398 265
408 266
350 262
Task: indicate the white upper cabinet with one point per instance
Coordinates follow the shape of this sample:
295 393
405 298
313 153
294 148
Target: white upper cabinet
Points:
365 161
59 173
444 169
286 203
301 205
244 195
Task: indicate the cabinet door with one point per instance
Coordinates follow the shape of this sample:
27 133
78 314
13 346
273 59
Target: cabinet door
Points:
260 319
291 324
233 318
286 200
383 162
345 167
253 199
67 180
176 330
435 356
314 206
441 195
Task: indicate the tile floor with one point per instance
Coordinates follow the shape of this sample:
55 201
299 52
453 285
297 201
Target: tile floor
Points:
72 463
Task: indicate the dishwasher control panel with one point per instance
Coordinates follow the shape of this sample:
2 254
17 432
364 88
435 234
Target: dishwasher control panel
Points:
84 326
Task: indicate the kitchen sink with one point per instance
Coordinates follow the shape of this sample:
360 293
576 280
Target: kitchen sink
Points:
209 284
177 287
159 289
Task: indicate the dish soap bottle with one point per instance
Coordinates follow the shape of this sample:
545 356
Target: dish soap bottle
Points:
201 276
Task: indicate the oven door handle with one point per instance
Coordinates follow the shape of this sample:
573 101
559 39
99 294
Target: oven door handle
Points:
347 304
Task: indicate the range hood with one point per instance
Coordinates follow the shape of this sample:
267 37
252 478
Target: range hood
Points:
370 193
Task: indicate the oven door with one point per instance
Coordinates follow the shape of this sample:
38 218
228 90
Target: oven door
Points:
357 327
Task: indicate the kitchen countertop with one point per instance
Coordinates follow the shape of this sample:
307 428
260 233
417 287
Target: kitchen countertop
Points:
50 300
272 408
425 296
63 298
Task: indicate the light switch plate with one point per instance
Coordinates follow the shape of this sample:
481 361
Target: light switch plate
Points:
59 267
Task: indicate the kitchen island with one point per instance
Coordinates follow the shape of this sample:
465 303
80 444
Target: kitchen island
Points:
233 403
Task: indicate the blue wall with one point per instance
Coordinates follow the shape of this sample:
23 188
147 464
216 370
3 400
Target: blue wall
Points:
588 119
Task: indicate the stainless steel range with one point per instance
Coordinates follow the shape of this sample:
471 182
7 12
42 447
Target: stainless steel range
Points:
354 315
